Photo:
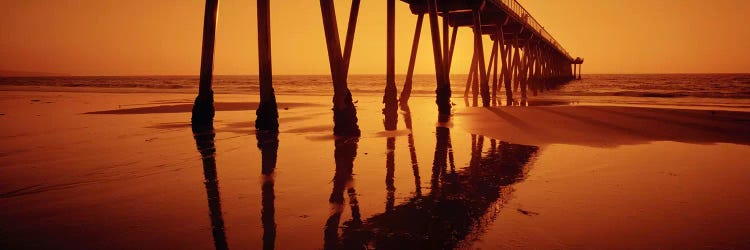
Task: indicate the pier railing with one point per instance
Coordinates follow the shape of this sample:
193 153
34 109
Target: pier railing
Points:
521 14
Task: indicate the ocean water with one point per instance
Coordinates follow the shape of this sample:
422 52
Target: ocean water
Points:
704 90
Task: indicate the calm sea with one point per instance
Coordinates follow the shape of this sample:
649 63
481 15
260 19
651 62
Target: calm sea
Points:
709 90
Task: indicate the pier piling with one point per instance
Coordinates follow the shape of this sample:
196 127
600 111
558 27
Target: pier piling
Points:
344 112
523 55
267 114
203 107
443 90
406 91
389 97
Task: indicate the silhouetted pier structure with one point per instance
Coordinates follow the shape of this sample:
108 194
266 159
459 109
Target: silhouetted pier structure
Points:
524 57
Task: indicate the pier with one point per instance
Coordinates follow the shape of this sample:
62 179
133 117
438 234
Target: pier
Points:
524 58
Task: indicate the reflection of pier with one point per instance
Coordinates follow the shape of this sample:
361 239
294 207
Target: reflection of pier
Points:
459 205
524 56
268 143
204 140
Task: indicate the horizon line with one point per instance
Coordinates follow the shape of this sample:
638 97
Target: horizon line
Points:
360 74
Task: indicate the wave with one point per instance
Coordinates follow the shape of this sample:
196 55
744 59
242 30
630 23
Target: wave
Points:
655 94
717 86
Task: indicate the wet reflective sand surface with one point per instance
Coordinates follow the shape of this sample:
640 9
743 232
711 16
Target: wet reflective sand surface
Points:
131 177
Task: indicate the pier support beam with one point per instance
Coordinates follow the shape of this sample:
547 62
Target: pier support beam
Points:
344 112
389 97
267 113
443 90
505 67
406 91
495 56
450 52
522 71
472 74
516 65
479 51
203 108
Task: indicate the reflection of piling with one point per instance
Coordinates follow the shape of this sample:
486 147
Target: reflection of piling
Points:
268 213
268 143
204 140
439 163
390 166
412 150
344 153
390 119
460 205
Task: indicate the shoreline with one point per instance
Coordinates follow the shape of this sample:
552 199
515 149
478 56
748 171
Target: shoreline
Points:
541 100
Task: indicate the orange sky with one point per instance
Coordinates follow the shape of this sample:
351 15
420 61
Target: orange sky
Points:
146 37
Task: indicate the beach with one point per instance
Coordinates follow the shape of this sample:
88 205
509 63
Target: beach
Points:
498 124
124 170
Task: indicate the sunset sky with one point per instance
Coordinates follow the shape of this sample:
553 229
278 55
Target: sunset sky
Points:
145 37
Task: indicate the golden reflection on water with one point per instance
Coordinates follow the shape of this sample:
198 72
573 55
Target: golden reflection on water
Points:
459 204
137 183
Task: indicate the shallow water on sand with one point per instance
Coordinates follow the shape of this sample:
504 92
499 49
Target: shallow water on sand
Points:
130 177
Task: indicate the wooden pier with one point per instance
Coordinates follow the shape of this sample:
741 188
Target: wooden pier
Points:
524 57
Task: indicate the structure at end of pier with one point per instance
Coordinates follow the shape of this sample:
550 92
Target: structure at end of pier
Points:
524 56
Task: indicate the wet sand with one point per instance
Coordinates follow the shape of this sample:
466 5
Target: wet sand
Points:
122 171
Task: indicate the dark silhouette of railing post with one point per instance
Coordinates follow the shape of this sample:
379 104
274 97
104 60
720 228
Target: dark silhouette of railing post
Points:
203 107
267 113
344 112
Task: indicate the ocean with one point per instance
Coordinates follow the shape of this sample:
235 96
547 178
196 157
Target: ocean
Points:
720 91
